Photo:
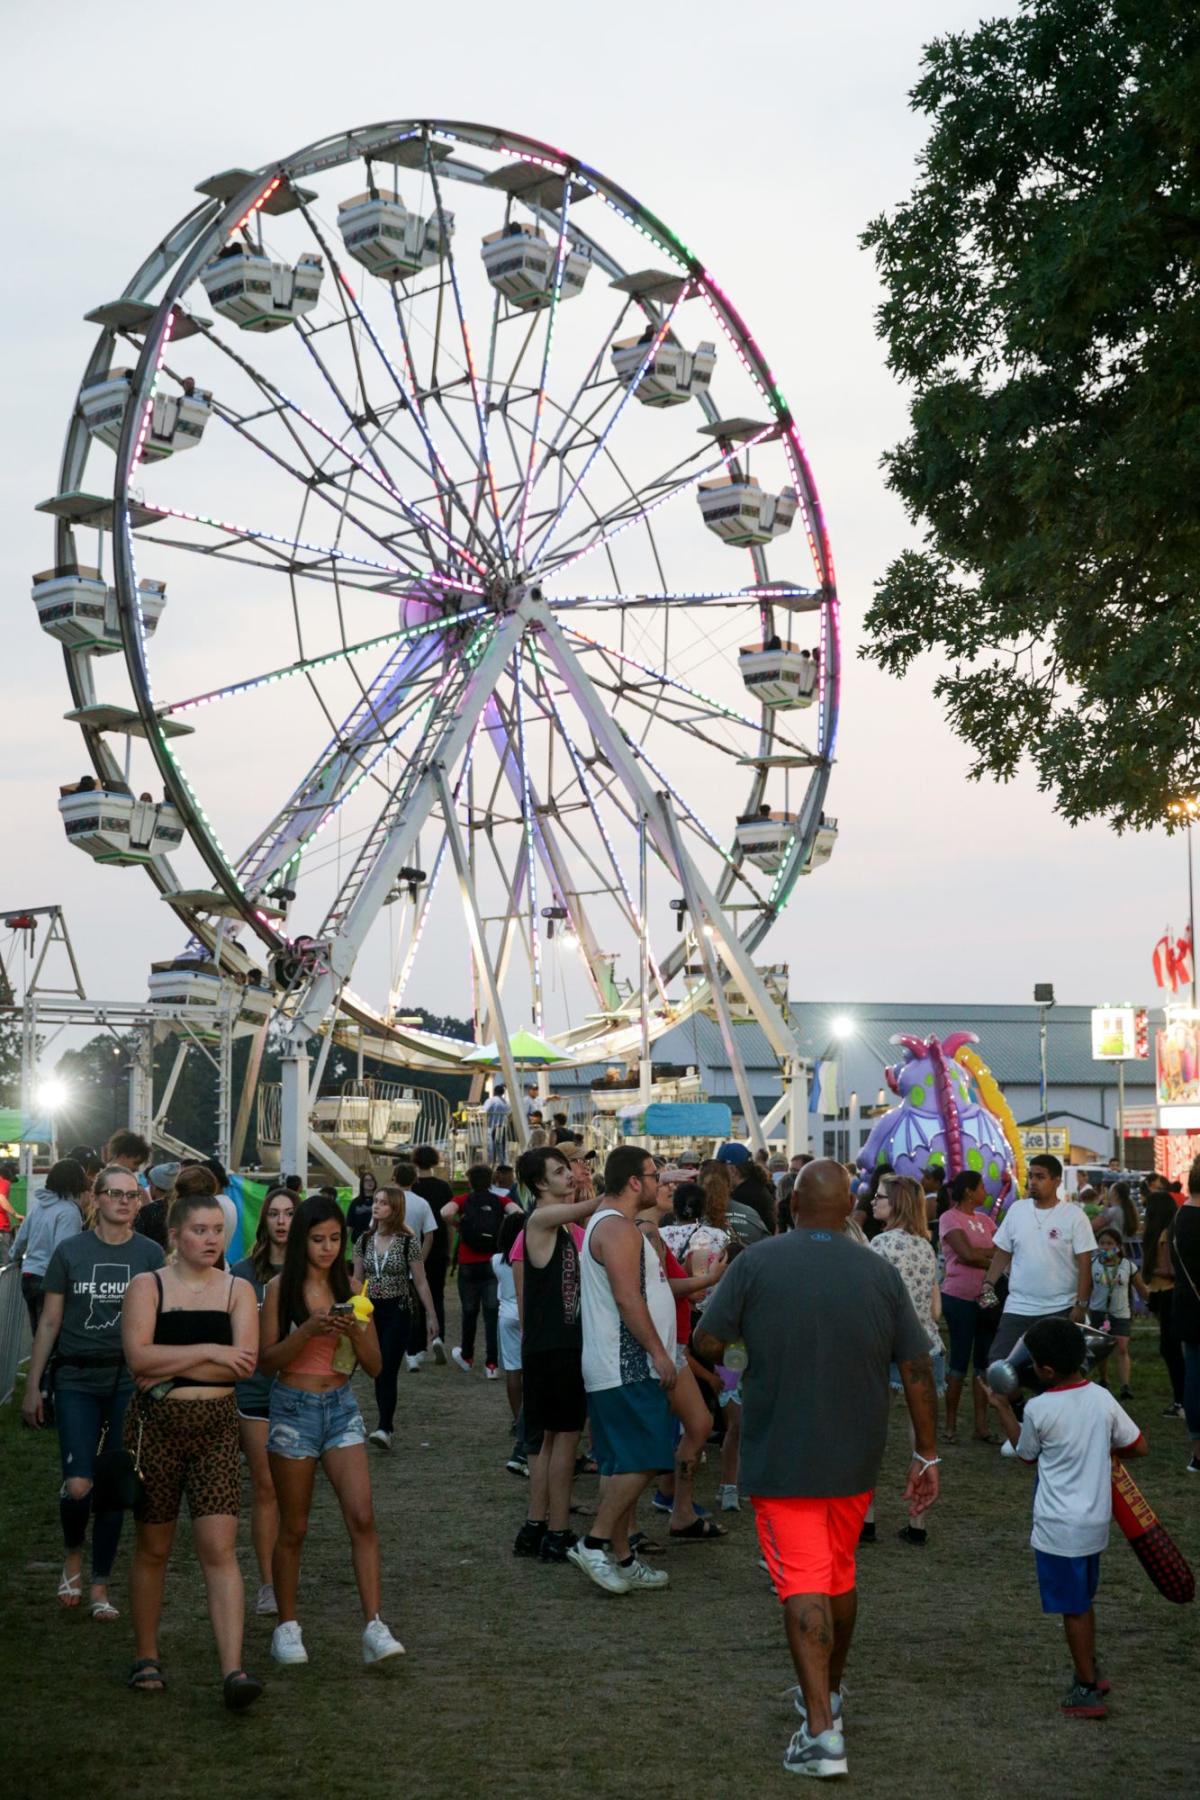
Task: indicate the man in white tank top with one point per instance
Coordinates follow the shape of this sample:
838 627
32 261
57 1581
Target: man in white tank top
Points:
628 1369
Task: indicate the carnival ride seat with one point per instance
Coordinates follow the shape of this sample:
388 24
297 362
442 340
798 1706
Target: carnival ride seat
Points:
673 376
176 422
259 294
79 609
779 673
742 513
765 838
519 260
387 239
113 826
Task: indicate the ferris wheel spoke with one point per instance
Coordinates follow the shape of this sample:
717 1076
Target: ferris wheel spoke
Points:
542 549
352 755
427 528
420 520
731 597
615 523
710 707
287 410
279 555
319 482
447 492
609 389
547 349
304 664
480 414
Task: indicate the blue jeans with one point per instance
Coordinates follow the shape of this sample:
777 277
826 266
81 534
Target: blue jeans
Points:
81 1416
1191 1389
306 1424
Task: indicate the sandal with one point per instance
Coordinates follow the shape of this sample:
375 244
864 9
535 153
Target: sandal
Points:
146 1676
949 1437
700 1529
984 1437
240 1690
70 1589
104 1611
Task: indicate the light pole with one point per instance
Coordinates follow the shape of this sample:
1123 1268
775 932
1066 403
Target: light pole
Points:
1043 999
1187 810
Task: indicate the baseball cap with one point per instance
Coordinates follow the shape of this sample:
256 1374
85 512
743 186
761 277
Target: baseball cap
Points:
734 1153
163 1175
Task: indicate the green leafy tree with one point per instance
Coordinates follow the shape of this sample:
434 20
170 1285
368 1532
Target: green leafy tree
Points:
1043 302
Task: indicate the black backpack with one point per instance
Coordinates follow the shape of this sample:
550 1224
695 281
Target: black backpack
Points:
482 1217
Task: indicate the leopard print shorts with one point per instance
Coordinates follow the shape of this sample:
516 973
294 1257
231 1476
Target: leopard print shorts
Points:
188 1446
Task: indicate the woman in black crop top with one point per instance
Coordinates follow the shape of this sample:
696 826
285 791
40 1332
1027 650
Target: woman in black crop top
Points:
189 1332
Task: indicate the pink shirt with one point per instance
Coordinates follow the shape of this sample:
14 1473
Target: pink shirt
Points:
961 1280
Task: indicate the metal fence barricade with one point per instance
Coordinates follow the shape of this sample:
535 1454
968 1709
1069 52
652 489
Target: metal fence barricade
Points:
14 1329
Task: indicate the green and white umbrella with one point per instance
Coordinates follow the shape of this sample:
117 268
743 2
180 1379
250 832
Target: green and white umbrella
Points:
526 1050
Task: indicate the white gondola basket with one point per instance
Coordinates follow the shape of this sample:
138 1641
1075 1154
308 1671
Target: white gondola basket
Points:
782 677
673 376
114 827
259 294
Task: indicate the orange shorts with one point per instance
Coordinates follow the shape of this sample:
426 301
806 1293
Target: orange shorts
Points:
809 1544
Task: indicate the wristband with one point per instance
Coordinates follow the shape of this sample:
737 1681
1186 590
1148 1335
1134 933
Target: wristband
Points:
926 1462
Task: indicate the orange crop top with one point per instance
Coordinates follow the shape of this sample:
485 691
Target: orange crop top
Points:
316 1358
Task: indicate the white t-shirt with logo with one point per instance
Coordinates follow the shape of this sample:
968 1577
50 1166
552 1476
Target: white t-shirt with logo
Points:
1069 1432
1043 1243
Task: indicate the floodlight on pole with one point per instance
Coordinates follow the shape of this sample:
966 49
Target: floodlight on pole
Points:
843 1027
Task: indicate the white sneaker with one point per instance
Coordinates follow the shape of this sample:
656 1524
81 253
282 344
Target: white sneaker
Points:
835 1705
413 1363
727 1498
460 1361
822 1756
439 1352
1007 1448
492 1372
641 1577
599 1566
266 1604
287 1645
378 1642
381 1439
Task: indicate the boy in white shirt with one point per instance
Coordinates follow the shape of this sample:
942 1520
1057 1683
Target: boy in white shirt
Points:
1070 1432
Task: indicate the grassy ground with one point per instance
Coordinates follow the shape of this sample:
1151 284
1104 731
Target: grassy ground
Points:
525 1680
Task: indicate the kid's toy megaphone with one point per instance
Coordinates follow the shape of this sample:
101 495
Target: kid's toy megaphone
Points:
1015 1370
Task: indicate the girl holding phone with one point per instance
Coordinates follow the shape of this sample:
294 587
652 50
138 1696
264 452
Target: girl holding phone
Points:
314 1417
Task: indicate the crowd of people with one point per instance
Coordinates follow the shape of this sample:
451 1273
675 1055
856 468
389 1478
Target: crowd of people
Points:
758 1309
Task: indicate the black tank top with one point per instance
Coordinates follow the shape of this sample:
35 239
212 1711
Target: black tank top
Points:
182 1326
553 1312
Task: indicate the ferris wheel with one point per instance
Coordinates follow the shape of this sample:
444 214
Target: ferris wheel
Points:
461 624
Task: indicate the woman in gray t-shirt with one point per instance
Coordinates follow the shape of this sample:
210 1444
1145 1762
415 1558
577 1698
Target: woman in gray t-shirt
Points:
82 1289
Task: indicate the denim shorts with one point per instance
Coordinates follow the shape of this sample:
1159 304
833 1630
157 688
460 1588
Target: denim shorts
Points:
937 1358
307 1425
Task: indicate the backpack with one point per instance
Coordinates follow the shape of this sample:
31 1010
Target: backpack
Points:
482 1217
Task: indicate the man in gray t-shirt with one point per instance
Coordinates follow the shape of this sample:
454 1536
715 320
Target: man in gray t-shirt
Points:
821 1321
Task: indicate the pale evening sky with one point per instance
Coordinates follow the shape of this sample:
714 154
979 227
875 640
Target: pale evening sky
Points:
766 139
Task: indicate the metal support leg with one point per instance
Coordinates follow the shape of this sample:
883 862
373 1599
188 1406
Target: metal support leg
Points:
708 957
141 1082
293 1125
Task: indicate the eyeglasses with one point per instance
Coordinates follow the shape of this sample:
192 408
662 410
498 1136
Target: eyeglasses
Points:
121 1193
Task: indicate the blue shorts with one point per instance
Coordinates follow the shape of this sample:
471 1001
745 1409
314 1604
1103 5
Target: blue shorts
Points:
937 1359
307 1425
1068 1583
631 1429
